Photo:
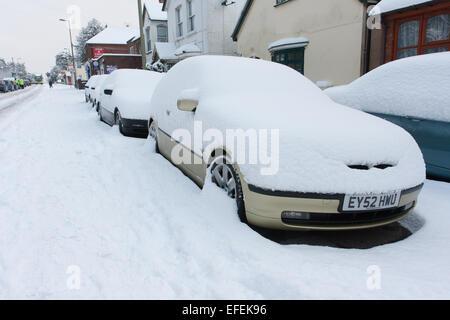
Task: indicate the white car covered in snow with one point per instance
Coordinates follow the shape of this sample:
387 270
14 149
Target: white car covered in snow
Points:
90 88
125 100
97 92
326 166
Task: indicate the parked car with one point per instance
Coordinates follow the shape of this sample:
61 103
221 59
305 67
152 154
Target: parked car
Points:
413 93
3 86
338 168
126 100
10 85
97 91
90 89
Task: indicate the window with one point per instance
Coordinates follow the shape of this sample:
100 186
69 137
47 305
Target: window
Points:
179 21
294 58
423 34
191 16
149 41
162 33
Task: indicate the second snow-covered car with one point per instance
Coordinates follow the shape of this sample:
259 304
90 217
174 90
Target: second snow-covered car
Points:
320 165
413 93
125 100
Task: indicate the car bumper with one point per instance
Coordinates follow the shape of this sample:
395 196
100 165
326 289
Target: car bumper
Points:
135 127
322 211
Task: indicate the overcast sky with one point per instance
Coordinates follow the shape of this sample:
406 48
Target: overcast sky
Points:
30 30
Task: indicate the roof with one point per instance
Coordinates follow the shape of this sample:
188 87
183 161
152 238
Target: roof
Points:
115 35
166 50
386 6
241 19
187 48
288 43
155 10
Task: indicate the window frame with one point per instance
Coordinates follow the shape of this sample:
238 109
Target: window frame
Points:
158 36
179 21
149 40
286 53
190 16
422 45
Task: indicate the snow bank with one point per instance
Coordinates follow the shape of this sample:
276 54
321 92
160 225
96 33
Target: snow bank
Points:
133 91
385 6
318 138
416 86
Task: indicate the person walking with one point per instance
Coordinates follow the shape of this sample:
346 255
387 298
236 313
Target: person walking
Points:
21 83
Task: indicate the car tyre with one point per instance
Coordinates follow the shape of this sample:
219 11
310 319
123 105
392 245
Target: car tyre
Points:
119 122
153 133
226 177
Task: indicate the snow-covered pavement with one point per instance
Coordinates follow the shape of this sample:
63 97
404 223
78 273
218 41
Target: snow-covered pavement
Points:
75 195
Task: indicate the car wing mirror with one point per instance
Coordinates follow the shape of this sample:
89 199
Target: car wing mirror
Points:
187 105
108 92
188 100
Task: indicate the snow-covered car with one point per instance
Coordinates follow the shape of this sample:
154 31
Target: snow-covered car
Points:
90 85
97 91
125 101
413 93
338 168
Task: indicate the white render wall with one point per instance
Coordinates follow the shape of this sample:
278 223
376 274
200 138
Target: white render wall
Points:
153 34
214 25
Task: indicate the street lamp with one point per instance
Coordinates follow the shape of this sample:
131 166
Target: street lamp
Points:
73 56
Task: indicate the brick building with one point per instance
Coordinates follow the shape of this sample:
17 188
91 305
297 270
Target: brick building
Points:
113 48
410 28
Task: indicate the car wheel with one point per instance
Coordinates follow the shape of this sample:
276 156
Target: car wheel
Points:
118 121
153 133
99 112
225 176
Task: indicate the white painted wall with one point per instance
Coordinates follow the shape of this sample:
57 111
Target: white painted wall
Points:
214 24
334 29
153 34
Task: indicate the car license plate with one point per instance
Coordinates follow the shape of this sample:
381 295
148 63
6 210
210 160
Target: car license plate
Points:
367 202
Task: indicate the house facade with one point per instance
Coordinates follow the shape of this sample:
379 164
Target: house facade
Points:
113 48
199 27
411 28
327 41
155 26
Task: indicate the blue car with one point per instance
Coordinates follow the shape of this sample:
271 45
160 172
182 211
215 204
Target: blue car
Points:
413 93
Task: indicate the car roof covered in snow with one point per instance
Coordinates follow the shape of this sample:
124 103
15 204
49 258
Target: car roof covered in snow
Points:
133 78
417 86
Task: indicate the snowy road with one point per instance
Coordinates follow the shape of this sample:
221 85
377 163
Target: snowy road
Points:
75 195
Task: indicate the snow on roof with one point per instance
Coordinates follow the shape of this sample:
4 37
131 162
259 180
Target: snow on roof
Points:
288 43
154 9
385 6
166 50
187 48
115 35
